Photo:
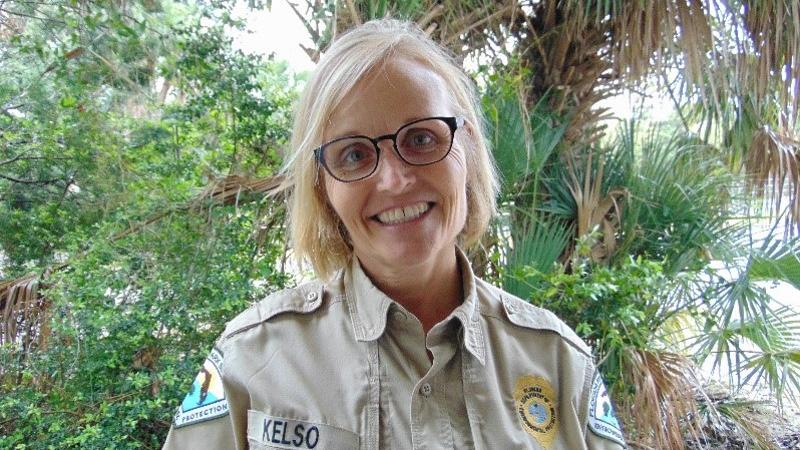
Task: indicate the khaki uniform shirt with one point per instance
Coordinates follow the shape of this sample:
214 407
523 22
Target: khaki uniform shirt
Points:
342 366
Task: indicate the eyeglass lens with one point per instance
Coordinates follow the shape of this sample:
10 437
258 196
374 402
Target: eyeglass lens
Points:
418 143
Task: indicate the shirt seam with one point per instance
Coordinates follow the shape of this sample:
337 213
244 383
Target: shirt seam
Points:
573 345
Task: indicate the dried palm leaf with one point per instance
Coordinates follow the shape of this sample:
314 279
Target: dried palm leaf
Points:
23 312
228 190
663 407
595 210
773 166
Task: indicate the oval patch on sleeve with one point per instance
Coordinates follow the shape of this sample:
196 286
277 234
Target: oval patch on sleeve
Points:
280 432
602 419
206 399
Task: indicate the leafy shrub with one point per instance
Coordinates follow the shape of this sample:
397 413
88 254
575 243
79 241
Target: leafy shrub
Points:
611 308
131 323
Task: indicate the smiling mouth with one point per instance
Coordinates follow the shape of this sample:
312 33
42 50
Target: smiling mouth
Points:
405 214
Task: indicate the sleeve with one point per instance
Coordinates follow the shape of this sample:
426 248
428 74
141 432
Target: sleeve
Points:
603 429
209 417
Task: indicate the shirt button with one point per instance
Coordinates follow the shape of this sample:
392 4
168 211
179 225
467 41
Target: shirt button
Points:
426 390
311 296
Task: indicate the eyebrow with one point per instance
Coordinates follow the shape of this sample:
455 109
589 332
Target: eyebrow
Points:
350 133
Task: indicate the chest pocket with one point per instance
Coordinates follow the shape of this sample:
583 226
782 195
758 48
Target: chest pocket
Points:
272 432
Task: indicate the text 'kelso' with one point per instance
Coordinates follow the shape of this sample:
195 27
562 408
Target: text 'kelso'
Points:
279 432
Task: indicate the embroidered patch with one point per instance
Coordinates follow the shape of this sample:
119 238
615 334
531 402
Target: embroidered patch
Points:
602 419
206 399
536 406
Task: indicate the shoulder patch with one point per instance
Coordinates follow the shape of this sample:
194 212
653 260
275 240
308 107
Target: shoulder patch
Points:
524 314
602 419
302 299
206 398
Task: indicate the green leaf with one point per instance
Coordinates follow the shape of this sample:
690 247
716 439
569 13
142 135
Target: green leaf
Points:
786 268
68 102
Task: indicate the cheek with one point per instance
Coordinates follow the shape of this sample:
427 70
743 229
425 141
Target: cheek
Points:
457 180
345 202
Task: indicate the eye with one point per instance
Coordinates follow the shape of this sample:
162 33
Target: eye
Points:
420 138
352 154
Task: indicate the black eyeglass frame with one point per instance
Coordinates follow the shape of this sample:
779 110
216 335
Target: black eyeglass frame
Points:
454 123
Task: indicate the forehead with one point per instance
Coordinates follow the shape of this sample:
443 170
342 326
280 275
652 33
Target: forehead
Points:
393 93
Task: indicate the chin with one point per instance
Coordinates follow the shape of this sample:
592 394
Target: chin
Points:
410 254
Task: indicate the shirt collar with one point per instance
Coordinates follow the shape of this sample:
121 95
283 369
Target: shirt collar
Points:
369 307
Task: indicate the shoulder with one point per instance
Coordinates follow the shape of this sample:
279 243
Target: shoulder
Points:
512 311
305 298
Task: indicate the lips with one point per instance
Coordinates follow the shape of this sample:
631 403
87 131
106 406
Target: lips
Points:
403 214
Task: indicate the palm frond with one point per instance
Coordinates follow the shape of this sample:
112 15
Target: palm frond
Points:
536 244
773 168
523 138
777 261
679 198
750 338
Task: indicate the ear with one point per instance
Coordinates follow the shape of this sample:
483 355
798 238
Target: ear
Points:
470 129
468 138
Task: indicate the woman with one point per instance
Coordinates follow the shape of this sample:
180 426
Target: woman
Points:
397 345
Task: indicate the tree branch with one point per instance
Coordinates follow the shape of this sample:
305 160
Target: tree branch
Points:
17 180
19 14
9 161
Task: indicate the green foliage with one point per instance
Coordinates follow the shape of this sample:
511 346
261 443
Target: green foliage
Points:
64 78
777 261
537 246
102 160
132 321
523 138
680 198
242 113
663 288
612 308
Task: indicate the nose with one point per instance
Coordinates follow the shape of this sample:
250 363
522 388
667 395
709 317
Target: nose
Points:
393 174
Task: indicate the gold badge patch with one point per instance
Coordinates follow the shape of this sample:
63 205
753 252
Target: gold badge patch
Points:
534 399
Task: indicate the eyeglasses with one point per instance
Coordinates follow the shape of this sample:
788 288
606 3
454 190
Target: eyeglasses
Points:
418 143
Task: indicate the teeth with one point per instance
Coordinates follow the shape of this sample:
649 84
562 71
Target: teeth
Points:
398 215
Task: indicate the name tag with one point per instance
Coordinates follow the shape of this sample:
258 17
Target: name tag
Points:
281 432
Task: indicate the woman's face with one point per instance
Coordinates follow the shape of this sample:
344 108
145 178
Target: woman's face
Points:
401 215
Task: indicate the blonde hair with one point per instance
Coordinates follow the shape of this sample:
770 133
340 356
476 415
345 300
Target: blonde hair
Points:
317 234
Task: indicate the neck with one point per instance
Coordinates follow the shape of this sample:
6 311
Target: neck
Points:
429 291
